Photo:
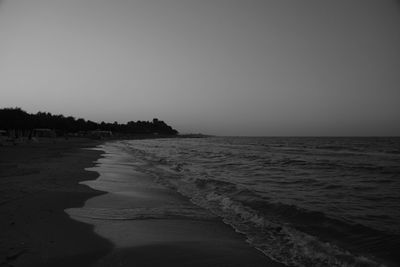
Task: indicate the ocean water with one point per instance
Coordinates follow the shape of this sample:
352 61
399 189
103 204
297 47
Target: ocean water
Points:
301 201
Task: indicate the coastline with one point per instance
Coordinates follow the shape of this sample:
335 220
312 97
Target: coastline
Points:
37 182
151 224
40 181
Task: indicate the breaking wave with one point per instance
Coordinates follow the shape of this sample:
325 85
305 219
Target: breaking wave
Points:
292 234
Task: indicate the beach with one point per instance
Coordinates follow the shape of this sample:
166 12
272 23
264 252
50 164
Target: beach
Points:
40 185
38 181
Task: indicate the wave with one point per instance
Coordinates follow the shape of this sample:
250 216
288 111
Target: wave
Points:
285 232
273 228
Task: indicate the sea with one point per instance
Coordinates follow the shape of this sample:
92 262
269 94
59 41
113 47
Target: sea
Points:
302 201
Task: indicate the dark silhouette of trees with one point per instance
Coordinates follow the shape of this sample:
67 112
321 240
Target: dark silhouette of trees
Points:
18 119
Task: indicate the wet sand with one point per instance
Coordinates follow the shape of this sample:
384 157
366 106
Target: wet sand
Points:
39 182
152 225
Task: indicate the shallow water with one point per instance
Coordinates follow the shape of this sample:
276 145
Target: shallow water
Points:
130 201
141 216
302 201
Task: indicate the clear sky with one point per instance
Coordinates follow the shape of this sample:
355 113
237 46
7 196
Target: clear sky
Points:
225 67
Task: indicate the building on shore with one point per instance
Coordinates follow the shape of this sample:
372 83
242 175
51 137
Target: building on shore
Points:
43 133
98 134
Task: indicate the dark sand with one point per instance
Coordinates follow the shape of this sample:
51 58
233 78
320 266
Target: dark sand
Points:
39 181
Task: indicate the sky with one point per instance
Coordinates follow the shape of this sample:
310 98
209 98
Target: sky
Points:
223 67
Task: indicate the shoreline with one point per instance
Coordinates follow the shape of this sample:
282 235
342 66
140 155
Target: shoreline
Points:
143 218
38 181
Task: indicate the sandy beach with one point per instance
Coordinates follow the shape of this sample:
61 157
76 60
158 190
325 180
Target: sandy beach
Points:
39 181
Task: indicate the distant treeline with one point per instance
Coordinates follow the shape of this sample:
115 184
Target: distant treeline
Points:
18 119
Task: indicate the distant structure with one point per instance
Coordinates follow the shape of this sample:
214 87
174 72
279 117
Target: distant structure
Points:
43 133
3 137
98 134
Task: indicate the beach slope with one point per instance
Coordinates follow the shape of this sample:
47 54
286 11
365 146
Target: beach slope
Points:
122 217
